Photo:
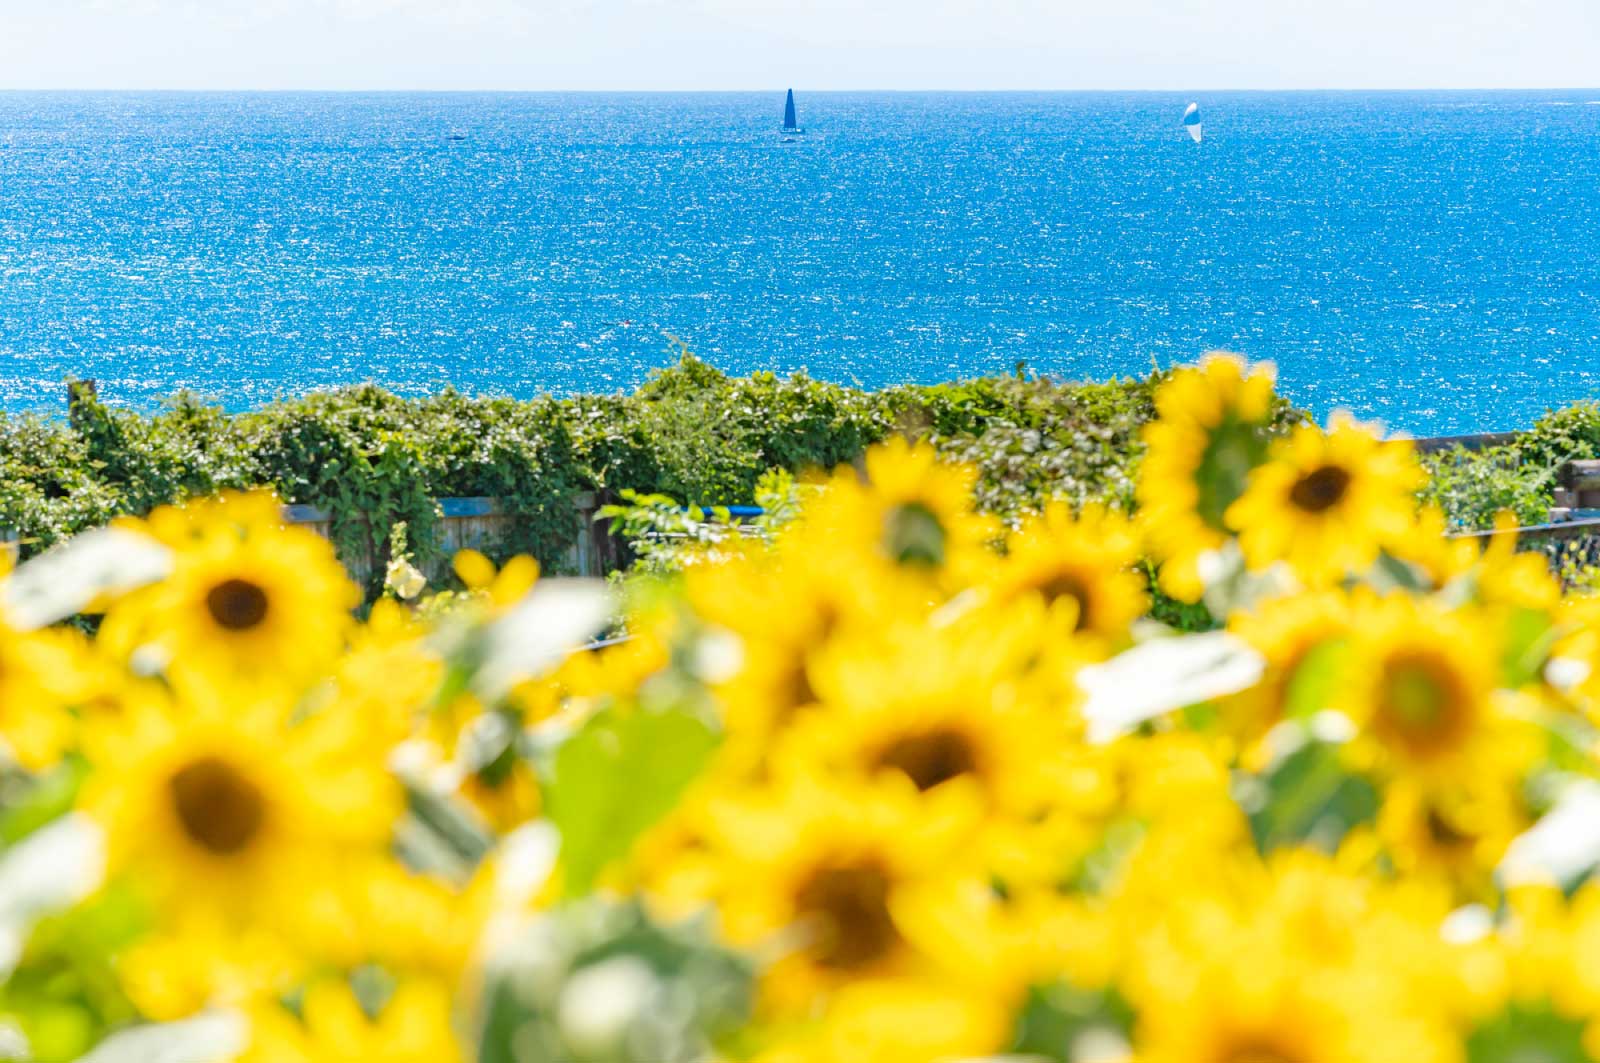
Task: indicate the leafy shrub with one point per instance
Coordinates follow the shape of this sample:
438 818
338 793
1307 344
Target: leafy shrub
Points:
1472 486
689 432
1569 434
1036 441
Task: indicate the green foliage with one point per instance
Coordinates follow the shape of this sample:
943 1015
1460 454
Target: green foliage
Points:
602 982
49 488
1316 679
1062 1022
690 432
1186 617
1530 636
1562 435
661 535
1528 1032
712 436
1308 798
690 435
65 995
1472 486
1033 441
612 780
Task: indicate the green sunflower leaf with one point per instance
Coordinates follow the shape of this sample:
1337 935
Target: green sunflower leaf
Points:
1528 1033
1062 1022
1312 686
615 778
1530 635
1310 798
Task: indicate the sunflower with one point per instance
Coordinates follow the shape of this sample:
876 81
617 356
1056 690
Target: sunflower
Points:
1212 428
380 912
387 677
1294 961
1571 672
1507 578
505 791
1301 637
823 603
585 680
413 1025
172 973
941 714
1254 1015
813 874
910 510
220 813
499 588
1084 563
42 675
247 599
1421 687
1428 548
899 1021
1455 831
1327 502
1535 989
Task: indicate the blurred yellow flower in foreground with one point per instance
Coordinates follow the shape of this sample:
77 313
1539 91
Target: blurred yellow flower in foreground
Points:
880 782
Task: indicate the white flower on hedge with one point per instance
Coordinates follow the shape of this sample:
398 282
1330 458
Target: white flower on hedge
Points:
1164 674
102 563
403 578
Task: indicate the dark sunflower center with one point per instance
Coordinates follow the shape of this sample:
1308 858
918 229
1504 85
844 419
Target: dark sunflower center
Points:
914 535
1443 833
1320 489
931 758
237 604
220 810
1421 704
848 907
797 687
1068 585
1254 1053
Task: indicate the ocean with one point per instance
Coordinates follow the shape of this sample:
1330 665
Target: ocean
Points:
1431 260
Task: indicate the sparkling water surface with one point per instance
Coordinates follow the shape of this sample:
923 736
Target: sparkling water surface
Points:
1429 259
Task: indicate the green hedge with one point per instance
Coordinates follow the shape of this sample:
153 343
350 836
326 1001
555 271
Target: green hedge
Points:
1472 486
690 432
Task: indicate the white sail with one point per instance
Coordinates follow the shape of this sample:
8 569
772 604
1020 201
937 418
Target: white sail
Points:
1191 122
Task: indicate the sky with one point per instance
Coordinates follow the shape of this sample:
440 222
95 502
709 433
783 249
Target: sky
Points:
811 44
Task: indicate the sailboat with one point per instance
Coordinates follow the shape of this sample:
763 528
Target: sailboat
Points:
790 128
1191 122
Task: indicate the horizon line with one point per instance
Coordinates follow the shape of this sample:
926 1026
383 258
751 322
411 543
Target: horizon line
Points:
236 90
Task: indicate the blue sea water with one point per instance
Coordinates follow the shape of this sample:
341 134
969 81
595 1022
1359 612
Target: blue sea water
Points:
1432 260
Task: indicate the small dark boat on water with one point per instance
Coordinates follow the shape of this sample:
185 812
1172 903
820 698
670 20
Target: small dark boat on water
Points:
790 127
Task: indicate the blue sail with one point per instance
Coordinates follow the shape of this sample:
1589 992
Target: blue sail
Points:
788 112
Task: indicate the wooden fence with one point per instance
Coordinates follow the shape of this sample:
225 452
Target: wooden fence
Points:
480 523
